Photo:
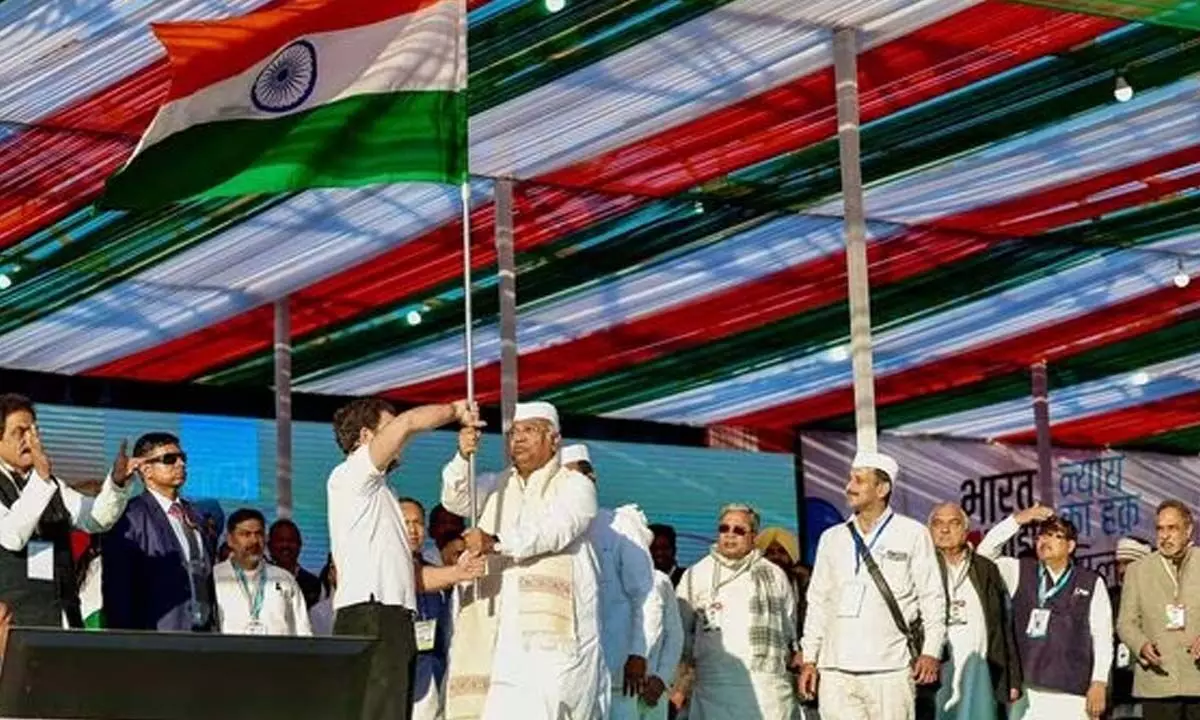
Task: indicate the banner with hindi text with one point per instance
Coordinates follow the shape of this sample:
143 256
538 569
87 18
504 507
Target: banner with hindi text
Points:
1107 494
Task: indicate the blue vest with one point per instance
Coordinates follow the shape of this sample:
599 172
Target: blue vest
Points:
1062 659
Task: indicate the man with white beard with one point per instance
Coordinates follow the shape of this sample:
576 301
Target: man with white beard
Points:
630 616
526 640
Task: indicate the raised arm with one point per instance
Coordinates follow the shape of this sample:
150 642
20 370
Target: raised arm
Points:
96 514
18 522
993 543
456 490
391 438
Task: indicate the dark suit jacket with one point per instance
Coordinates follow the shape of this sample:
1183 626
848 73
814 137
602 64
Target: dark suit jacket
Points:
145 578
1004 662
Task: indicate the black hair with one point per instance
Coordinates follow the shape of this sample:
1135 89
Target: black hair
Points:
241 515
285 522
14 403
414 501
351 418
152 440
663 530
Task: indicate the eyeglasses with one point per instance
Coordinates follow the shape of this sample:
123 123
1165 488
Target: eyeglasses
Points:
168 458
735 529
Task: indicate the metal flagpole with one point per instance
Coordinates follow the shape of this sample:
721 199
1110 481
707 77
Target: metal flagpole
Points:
1041 422
508 302
846 85
283 408
469 336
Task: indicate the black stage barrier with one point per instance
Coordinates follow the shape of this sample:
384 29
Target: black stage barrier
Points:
120 675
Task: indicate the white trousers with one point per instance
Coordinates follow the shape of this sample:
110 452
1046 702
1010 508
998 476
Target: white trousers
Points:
867 696
1041 704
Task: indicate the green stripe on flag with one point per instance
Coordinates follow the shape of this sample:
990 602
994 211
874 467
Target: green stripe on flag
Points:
361 140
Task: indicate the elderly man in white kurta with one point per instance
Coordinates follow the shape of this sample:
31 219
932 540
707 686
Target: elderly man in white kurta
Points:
526 642
630 618
739 624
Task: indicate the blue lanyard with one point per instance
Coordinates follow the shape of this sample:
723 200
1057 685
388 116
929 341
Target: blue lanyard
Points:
870 545
256 602
1046 595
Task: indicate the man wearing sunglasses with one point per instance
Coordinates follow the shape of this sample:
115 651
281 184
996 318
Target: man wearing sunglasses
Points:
157 561
739 626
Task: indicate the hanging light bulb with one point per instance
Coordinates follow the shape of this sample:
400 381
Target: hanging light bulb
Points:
555 5
1123 91
413 317
1181 279
837 354
1139 378
5 282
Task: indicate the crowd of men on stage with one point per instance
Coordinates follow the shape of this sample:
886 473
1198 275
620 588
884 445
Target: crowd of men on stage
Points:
535 603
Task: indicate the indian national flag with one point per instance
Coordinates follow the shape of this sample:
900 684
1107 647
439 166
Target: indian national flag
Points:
308 93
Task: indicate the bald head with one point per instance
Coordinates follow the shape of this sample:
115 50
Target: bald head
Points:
948 524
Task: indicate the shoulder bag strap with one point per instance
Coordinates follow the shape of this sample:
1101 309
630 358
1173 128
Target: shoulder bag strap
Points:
880 582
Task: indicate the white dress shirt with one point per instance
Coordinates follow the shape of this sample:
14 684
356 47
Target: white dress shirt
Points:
283 611
93 515
835 625
1100 617
178 526
367 536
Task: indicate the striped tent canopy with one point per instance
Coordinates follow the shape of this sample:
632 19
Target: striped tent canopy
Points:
678 218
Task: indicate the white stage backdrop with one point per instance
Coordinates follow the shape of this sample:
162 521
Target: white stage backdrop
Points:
1106 494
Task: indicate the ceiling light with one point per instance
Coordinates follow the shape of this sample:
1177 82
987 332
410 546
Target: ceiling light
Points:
413 317
555 5
698 207
5 282
1181 279
1123 91
1139 378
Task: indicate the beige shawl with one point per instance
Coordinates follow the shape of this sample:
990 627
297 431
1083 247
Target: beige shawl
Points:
544 585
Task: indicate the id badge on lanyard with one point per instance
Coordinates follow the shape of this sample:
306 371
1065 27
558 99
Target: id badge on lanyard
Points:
1175 611
1039 617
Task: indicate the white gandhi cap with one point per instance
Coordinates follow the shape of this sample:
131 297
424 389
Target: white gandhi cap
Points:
537 411
575 453
877 461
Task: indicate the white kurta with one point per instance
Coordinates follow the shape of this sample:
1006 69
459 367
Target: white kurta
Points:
528 683
667 648
630 618
966 691
725 687
283 611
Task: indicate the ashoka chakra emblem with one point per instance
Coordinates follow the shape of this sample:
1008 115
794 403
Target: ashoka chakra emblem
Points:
288 80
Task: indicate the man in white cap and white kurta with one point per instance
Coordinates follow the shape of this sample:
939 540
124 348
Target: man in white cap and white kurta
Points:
861 680
526 642
630 616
